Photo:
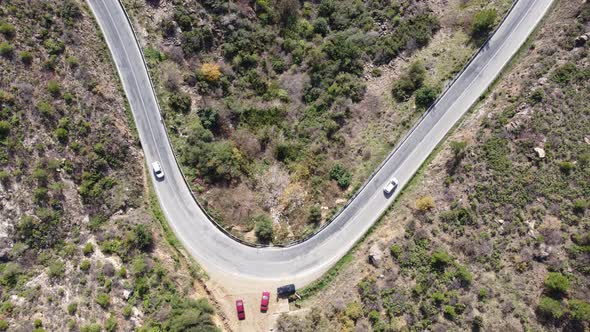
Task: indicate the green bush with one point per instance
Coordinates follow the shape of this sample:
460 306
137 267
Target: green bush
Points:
91 328
483 24
263 228
197 40
315 214
103 300
111 324
557 283
321 26
4 325
6 49
551 308
85 265
440 259
180 102
209 118
72 308
56 269
409 82
566 167
88 249
4 177
62 135
25 57
127 311
142 237
37 323
4 129
341 176
464 275
191 315
9 274
565 74
449 312
354 311
396 250
54 47
580 205
53 88
46 109
580 310
7 29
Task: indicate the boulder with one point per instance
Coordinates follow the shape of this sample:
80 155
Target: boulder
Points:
582 40
543 252
540 152
375 255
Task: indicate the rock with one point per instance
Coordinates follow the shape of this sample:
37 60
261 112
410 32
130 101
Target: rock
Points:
375 255
582 40
5 249
542 80
126 294
543 252
540 152
587 139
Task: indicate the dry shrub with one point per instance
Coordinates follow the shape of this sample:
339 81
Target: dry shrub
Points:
210 72
425 203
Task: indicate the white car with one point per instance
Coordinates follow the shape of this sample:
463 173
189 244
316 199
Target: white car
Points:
158 172
390 186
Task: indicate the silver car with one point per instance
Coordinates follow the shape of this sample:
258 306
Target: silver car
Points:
390 186
158 172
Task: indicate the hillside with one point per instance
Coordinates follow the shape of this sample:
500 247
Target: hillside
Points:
279 110
494 234
81 244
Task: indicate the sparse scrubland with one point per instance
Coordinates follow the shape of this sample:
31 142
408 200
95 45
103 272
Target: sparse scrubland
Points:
81 247
494 234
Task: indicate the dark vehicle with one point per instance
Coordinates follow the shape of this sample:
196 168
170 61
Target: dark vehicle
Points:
285 291
264 301
240 308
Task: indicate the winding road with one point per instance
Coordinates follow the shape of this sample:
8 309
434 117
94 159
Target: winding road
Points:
302 263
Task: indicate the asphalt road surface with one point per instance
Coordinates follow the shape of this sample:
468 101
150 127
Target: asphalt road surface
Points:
304 262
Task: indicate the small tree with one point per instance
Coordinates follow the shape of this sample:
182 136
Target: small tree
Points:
287 10
341 175
180 102
425 96
315 214
483 24
263 228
